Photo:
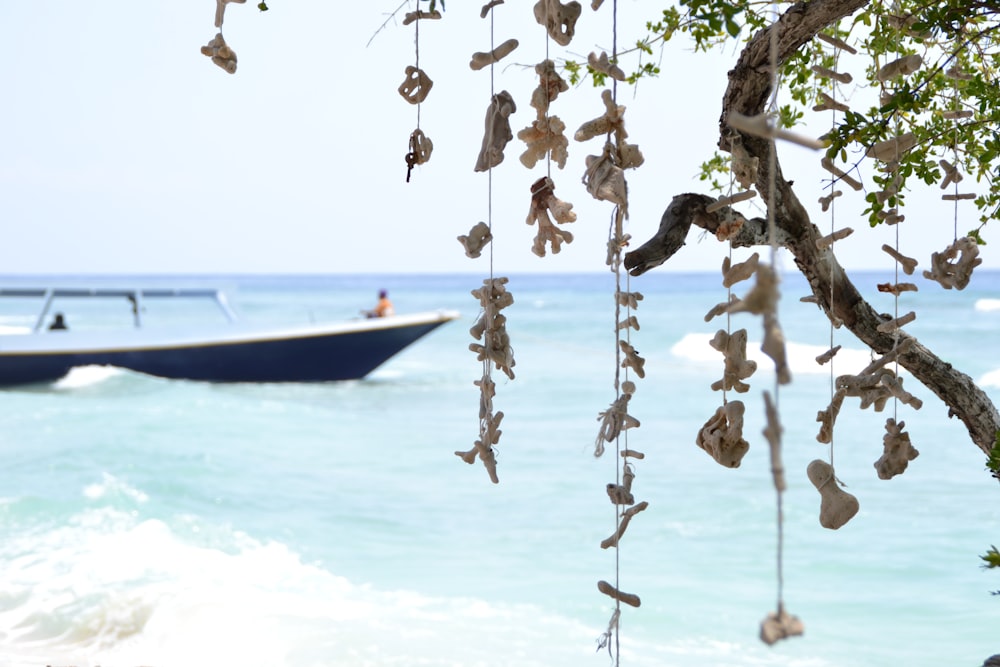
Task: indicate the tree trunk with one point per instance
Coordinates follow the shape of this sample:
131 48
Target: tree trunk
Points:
748 93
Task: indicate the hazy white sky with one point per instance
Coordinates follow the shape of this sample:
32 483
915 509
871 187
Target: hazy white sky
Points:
124 149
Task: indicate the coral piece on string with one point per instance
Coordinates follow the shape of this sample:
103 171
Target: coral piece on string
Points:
220 53
558 19
837 506
497 132
416 86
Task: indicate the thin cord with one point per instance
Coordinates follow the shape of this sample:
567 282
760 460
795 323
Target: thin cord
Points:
772 177
416 48
833 227
489 173
617 217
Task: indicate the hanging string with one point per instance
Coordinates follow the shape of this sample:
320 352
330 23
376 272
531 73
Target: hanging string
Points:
772 232
833 227
895 164
416 56
489 173
616 216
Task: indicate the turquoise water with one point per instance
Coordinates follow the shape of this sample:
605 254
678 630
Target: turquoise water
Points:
170 523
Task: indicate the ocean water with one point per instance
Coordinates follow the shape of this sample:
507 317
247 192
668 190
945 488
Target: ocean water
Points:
181 524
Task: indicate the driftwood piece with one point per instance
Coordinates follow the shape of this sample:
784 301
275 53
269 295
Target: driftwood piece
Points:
421 15
908 263
721 308
481 59
484 11
623 524
772 433
901 67
612 592
892 325
897 288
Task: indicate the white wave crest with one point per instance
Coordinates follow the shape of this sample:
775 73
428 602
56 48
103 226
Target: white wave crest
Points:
112 486
86 376
114 590
801 358
987 305
991 379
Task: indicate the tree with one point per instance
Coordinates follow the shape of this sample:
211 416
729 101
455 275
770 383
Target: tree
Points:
959 57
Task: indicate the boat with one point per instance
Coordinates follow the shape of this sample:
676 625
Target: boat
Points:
230 351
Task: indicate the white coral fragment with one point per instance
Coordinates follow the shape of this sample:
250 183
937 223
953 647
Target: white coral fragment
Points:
601 63
497 132
558 19
482 59
952 268
897 450
605 180
722 435
220 53
543 203
737 367
491 327
416 85
837 506
780 625
615 419
763 300
476 239
632 359
545 136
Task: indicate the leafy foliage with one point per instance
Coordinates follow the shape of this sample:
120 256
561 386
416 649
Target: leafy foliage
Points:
960 51
992 558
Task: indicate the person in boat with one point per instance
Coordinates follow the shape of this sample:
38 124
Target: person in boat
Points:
58 323
384 306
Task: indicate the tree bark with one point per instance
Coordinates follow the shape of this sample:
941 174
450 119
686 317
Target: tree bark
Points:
748 93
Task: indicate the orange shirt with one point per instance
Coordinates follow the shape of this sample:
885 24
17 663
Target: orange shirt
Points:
384 308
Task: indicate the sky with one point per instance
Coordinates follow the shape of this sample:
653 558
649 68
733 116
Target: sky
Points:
124 150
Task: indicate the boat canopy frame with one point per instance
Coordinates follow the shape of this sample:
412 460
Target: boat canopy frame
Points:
135 296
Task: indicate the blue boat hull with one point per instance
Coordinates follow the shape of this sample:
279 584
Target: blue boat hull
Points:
302 358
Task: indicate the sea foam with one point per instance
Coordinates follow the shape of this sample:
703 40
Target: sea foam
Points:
801 358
